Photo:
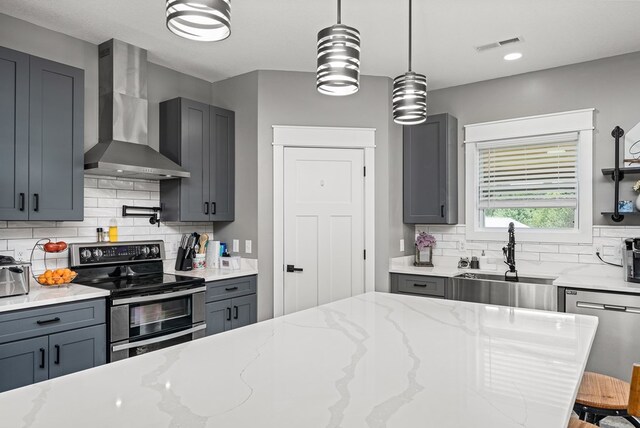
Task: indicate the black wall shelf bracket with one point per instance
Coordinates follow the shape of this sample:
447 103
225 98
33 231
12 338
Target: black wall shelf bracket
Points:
152 212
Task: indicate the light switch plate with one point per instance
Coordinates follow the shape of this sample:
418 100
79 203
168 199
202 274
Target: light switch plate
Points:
247 246
235 248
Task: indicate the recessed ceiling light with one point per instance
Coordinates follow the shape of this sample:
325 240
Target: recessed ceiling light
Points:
512 56
119 170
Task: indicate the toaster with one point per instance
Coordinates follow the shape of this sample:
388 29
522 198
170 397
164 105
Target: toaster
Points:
14 277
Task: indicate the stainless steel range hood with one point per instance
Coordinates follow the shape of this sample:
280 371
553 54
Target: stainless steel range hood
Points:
122 148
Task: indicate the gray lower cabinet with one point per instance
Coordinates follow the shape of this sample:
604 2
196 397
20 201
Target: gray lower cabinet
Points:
200 138
430 171
41 138
428 286
231 303
23 363
51 341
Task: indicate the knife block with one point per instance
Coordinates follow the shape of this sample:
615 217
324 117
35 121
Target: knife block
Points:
184 260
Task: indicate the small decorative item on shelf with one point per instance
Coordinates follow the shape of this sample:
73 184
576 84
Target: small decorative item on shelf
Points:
424 247
625 206
636 187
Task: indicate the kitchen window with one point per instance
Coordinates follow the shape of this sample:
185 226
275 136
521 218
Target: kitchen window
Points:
535 172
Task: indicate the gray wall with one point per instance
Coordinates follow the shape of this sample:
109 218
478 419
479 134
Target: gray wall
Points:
163 82
610 85
240 94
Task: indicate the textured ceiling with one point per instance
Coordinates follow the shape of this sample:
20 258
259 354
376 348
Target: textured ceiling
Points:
281 34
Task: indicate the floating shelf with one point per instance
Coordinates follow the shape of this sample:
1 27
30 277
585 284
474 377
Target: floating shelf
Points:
622 214
624 170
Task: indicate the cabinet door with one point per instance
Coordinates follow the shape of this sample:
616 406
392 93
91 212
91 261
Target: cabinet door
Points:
195 159
23 362
430 171
56 141
218 317
222 184
14 135
244 310
75 350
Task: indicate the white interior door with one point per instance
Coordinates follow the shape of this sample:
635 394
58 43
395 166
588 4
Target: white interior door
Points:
323 225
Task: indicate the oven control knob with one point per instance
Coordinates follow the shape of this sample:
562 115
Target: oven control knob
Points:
97 253
85 254
144 251
155 250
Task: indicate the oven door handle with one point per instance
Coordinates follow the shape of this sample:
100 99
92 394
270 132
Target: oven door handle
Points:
154 297
164 338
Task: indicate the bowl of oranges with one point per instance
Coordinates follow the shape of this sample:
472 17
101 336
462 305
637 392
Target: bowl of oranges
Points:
57 277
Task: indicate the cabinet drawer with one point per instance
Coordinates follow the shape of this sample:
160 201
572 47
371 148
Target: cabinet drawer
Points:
228 288
416 284
51 319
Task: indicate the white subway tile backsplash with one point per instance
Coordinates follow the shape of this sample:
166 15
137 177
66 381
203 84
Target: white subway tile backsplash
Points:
615 232
540 248
104 197
575 249
565 258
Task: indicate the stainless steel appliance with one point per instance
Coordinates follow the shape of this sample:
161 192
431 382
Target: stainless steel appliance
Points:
615 348
631 259
14 277
148 309
528 292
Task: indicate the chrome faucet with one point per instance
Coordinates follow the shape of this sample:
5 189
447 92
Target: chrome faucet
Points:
510 256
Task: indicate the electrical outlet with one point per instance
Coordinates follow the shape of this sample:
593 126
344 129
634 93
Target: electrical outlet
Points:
597 249
20 255
247 246
402 245
235 247
461 245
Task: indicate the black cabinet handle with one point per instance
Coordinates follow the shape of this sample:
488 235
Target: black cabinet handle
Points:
57 360
41 358
206 207
231 288
49 321
213 208
21 201
442 211
228 314
292 268
419 285
36 200
235 312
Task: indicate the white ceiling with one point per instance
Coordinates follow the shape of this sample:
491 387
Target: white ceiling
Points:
281 34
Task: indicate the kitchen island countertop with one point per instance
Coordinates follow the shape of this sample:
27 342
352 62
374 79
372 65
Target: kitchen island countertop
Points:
374 360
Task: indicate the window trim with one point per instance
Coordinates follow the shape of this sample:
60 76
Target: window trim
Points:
532 127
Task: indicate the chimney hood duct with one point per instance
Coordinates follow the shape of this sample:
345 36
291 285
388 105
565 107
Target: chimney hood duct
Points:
122 148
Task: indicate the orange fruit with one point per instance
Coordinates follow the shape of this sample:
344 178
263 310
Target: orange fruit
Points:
60 281
48 273
67 271
50 281
42 279
59 272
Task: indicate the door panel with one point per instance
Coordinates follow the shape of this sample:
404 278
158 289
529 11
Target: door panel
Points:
244 310
14 135
23 362
218 317
76 350
323 225
56 141
195 159
222 178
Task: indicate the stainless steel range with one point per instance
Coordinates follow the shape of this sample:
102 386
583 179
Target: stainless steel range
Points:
148 309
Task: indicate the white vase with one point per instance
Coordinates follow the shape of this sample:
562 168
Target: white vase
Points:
638 203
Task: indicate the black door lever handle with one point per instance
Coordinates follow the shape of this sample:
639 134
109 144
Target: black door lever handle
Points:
292 268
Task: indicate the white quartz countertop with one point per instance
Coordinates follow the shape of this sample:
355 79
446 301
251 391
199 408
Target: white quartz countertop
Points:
375 360
43 296
247 267
575 275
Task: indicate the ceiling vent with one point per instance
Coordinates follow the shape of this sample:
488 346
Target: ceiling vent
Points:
499 44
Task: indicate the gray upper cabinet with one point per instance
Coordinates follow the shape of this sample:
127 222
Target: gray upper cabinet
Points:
56 141
200 138
430 171
14 134
41 139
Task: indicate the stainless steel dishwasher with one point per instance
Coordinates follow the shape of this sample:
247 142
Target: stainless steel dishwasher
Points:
617 345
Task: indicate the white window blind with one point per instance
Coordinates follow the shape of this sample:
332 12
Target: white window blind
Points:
534 172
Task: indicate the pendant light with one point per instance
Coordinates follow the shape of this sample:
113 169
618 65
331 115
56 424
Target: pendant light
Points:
338 59
202 20
409 93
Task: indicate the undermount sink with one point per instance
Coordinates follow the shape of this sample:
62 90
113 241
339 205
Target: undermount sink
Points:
529 292
496 277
